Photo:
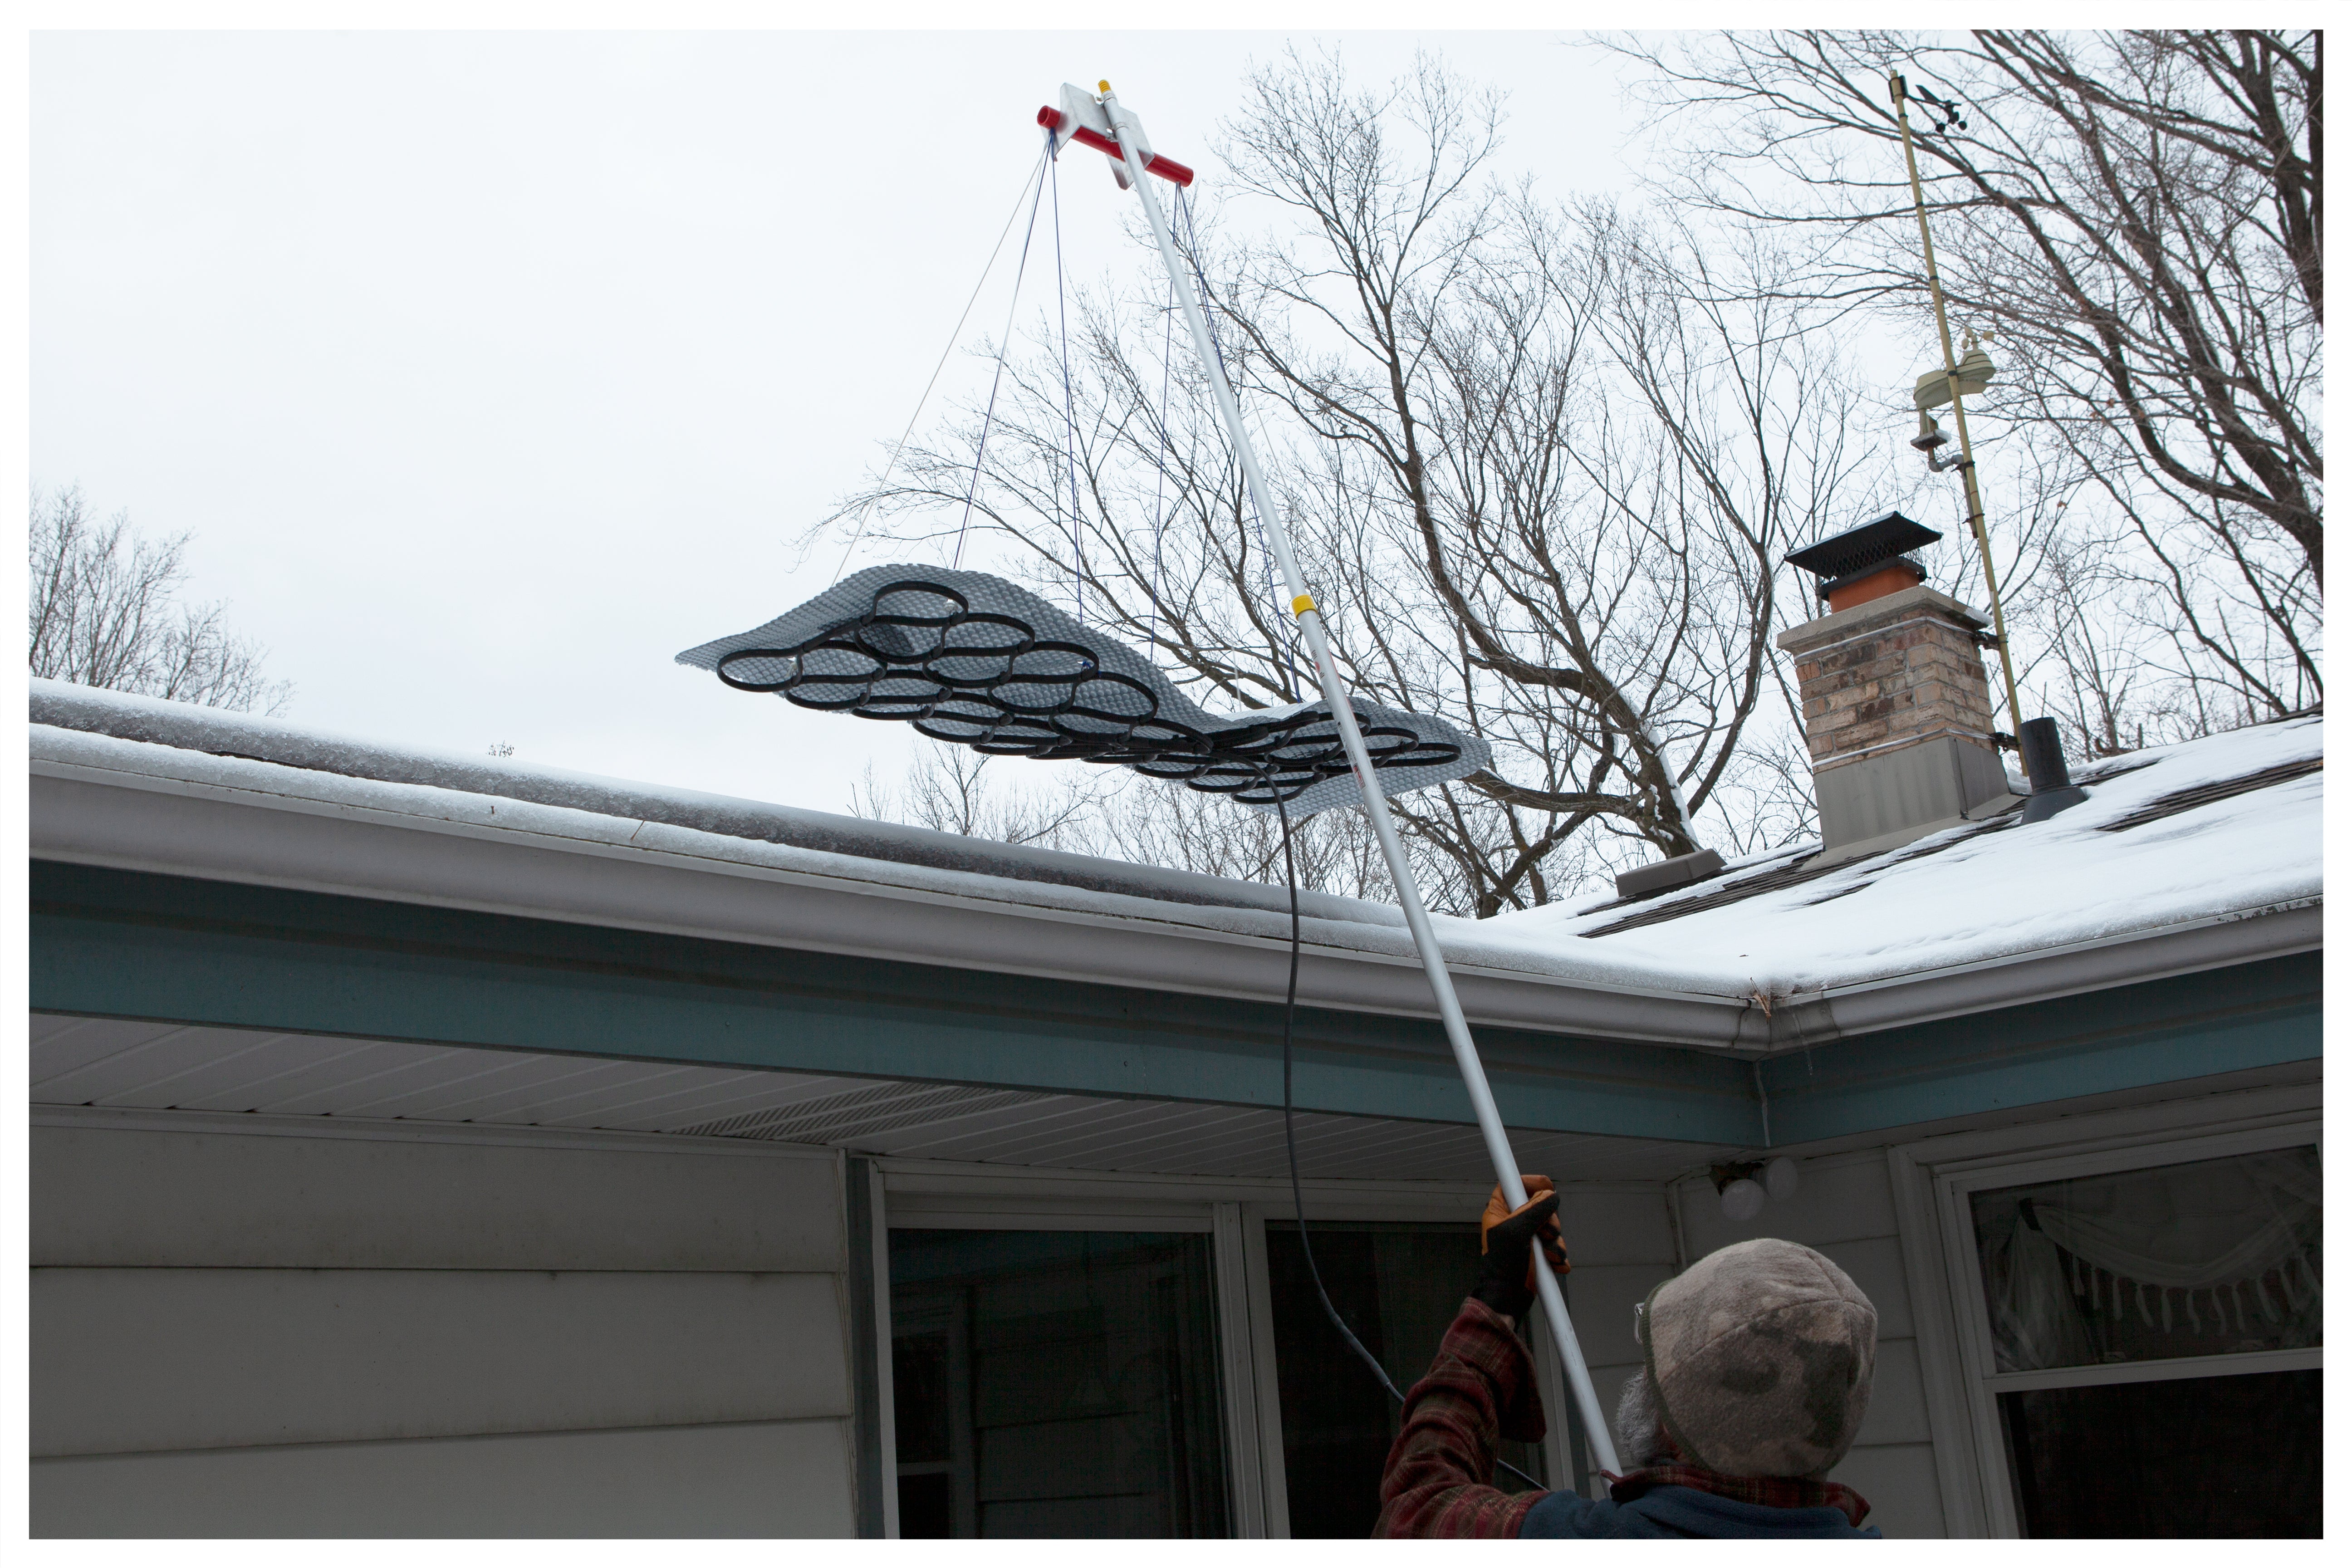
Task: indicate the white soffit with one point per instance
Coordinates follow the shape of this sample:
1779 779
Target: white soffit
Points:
120 1065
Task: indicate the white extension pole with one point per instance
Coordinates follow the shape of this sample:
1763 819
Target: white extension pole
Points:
1376 805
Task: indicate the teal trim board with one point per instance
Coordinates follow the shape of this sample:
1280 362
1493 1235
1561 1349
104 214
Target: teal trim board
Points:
134 944
2260 1015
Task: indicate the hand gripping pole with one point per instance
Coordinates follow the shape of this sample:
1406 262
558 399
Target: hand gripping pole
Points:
1376 806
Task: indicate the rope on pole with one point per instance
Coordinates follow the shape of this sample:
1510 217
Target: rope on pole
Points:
1069 409
988 420
954 333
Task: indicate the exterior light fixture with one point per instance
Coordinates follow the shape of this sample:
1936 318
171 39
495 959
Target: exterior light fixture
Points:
1742 1195
1744 1184
1743 1200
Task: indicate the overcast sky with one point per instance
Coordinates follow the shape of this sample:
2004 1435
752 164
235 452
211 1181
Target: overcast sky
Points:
490 370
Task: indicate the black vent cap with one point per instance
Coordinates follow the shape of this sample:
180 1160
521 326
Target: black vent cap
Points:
1858 549
1660 876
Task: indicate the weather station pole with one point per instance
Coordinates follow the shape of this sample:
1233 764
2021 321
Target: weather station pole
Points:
1900 91
1311 629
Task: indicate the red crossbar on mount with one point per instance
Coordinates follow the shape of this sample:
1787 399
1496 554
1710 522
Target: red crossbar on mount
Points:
1166 168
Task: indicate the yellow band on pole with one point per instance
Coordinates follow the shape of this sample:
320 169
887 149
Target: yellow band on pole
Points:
1302 603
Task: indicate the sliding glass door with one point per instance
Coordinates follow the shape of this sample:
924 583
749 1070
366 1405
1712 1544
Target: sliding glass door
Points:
1069 1363
1398 1288
1055 1383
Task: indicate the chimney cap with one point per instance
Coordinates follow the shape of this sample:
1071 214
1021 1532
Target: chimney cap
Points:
1874 543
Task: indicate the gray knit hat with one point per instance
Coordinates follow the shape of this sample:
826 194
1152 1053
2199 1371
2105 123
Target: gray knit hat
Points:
1760 1355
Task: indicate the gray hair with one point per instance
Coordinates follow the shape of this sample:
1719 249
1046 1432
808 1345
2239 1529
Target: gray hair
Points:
1641 1432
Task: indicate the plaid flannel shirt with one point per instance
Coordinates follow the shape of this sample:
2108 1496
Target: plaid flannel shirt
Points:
1440 1468
1440 1473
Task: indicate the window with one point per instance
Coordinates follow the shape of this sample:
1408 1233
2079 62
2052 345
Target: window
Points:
2204 1457
1399 1287
2133 1321
1074 1357
1055 1383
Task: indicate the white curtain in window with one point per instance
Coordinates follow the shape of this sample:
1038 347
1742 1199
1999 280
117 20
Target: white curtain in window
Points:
2190 1226
2211 1226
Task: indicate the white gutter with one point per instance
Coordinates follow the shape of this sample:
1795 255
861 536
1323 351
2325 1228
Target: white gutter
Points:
2186 947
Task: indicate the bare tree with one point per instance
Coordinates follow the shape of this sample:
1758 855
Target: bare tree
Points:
1124 817
2135 219
1167 824
1540 464
953 790
102 610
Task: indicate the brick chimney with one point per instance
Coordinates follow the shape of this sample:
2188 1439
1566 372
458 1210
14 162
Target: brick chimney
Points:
1899 718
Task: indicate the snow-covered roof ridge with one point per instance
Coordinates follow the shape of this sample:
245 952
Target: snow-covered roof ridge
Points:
2162 841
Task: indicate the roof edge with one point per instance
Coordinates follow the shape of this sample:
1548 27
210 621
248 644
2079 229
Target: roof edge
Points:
674 882
2218 941
224 733
220 830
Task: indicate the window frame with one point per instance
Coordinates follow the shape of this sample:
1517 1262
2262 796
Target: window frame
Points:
1982 1382
915 1194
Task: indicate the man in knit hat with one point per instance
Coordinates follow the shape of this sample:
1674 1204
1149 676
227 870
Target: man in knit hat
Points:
1755 1372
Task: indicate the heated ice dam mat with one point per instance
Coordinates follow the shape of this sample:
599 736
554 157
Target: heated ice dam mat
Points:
970 657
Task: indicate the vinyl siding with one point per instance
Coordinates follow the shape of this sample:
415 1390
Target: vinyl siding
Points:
283 1335
1621 1245
780 1478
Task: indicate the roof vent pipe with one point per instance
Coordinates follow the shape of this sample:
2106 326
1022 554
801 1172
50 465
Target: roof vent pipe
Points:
2045 768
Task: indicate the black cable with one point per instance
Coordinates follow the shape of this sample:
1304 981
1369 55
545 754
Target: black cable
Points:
1290 1146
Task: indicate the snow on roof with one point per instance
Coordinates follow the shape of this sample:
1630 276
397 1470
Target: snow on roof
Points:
220 732
1968 895
2152 848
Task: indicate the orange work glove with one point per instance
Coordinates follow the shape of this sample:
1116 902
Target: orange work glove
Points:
1505 1236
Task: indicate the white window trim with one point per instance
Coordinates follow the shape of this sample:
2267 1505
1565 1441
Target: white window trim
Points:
1981 1383
1024 1211
1264 1385
886 1394
959 1203
2153 1371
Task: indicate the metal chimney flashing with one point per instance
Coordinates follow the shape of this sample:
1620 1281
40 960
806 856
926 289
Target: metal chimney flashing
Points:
1819 636
1913 790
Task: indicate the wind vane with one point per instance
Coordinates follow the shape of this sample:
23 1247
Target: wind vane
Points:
1082 119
